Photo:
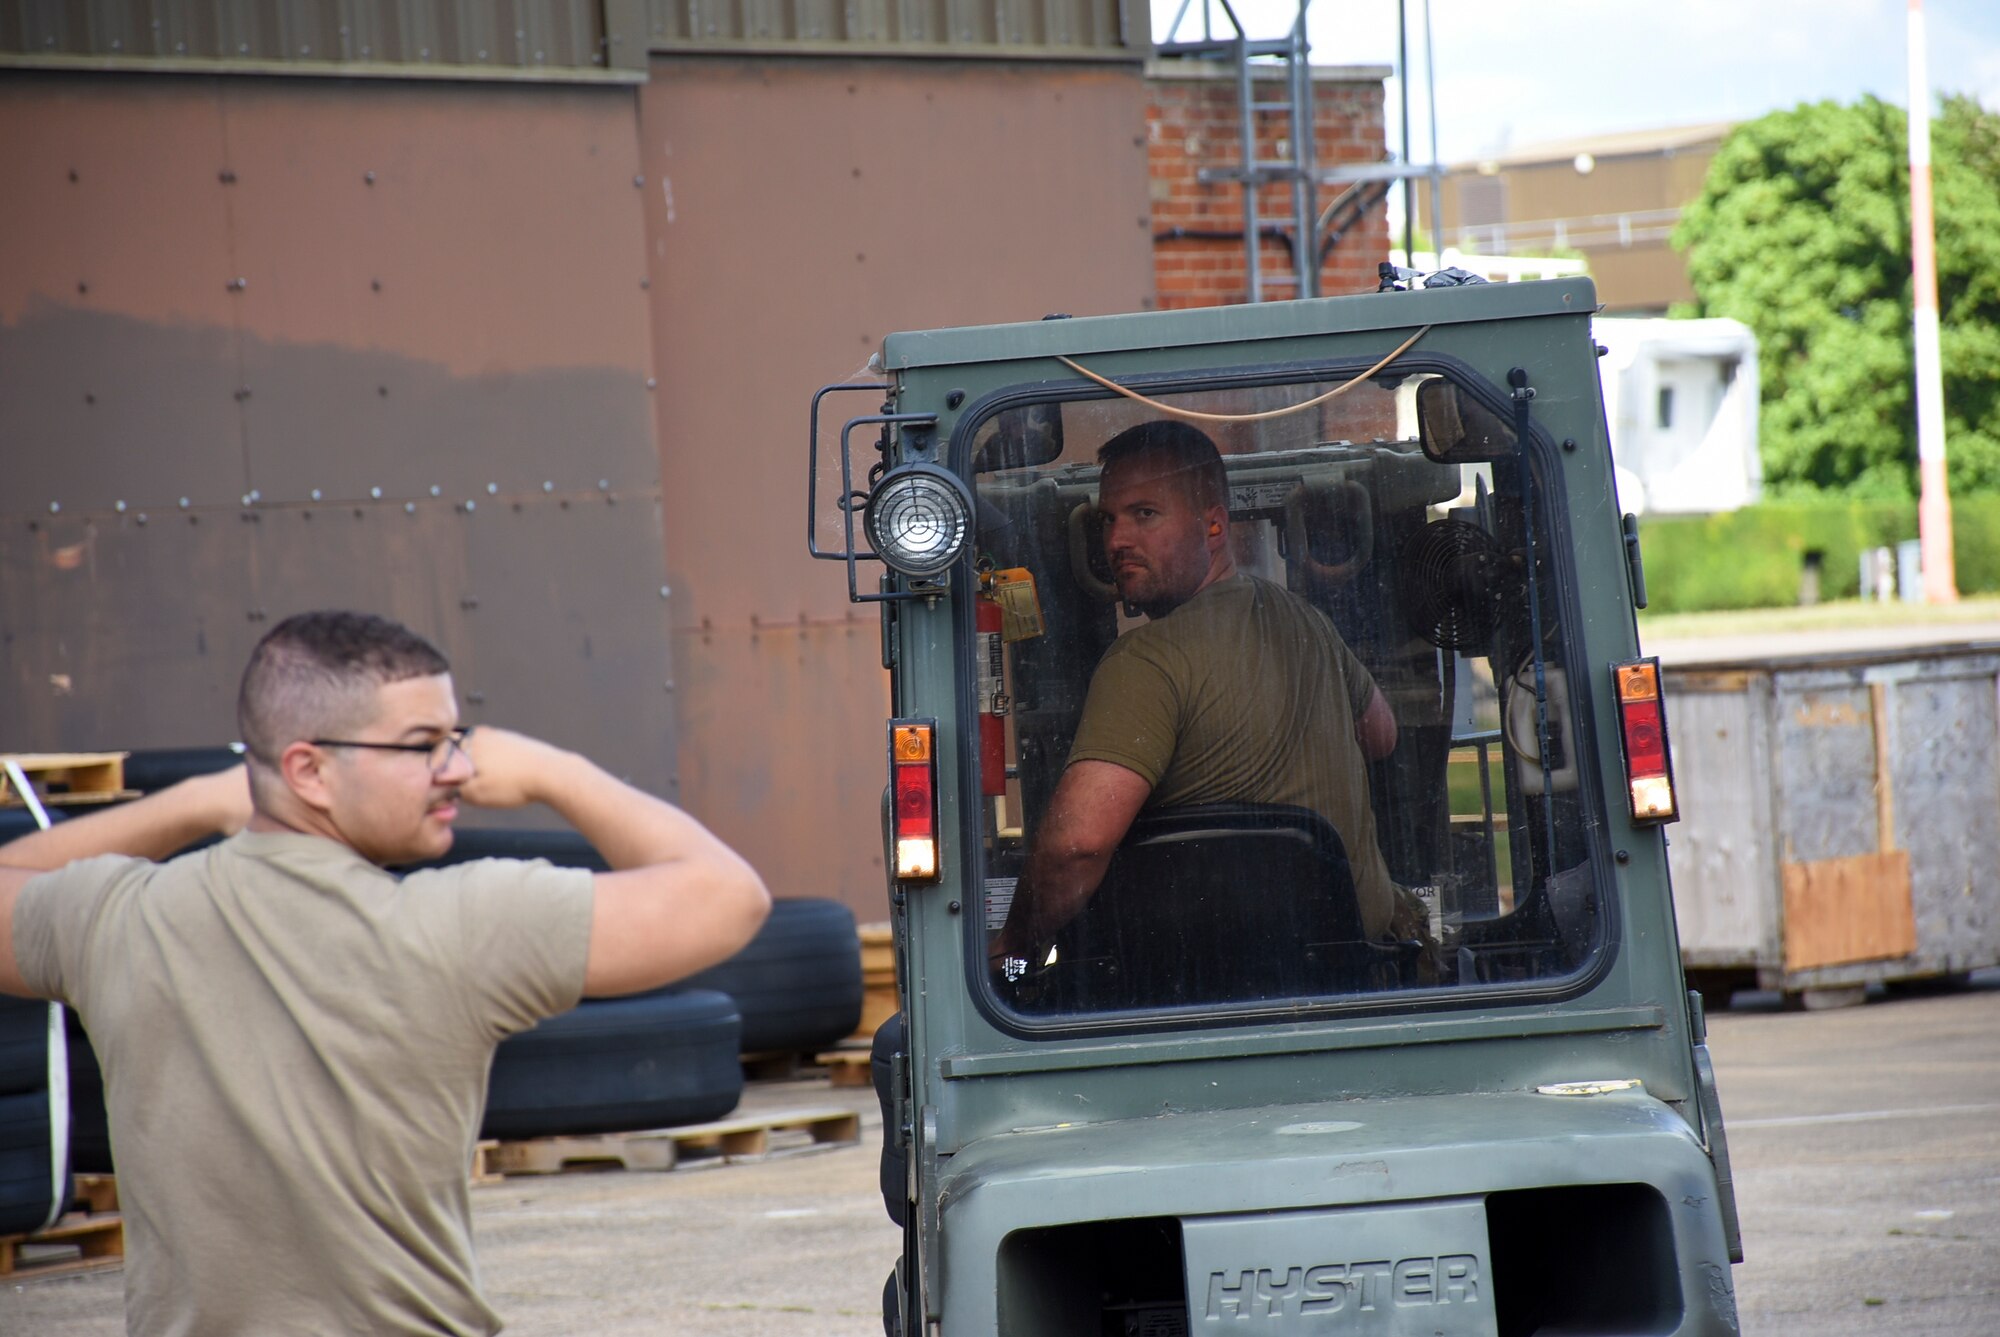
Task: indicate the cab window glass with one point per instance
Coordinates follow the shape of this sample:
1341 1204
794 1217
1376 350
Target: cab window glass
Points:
1273 704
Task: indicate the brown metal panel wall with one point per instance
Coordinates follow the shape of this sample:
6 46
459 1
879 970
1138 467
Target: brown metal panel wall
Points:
798 211
1009 29
431 38
391 345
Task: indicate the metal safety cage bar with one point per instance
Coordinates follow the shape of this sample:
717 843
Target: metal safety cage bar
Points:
850 499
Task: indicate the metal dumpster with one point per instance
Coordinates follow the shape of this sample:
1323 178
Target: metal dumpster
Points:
1841 818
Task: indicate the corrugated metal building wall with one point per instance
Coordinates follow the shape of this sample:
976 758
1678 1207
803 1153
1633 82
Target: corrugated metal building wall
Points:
506 327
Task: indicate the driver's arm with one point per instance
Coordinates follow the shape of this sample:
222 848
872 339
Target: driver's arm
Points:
1375 726
1089 813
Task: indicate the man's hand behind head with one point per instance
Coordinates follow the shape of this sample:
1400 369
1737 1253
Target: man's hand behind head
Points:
509 770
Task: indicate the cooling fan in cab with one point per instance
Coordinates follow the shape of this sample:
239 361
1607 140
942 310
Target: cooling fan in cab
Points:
1454 578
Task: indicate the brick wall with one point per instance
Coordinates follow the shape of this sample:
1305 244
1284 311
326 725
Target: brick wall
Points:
1192 124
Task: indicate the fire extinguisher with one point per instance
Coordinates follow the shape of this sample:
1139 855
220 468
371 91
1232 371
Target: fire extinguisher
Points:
993 701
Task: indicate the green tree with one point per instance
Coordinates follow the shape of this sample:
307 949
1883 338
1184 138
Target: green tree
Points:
1802 233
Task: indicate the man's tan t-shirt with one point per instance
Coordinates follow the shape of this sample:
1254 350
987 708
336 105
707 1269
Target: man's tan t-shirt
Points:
1243 694
295 1048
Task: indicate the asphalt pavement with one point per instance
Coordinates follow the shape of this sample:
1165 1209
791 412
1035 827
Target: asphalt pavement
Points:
1866 1144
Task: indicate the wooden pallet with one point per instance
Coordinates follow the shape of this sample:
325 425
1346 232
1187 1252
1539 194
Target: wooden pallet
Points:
64 778
846 1067
663 1149
86 1240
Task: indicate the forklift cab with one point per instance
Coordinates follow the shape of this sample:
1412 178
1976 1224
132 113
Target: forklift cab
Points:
1407 1050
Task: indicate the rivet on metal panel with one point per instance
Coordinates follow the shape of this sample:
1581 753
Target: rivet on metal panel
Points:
82 288
382 390
668 684
375 492
72 175
409 508
242 393
953 398
226 177
469 602
436 491
645 282
55 508
638 181
315 494
375 285
482 53
368 177
652 382
238 284
666 590
118 506
492 489
548 487
1623 856
424 53
604 485
142 517
475 698
89 398
1569 443
184 503
470 506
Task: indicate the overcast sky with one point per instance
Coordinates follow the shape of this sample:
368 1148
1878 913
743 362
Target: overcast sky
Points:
1512 73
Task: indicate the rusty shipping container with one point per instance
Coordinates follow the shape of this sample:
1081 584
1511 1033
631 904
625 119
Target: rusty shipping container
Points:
1841 818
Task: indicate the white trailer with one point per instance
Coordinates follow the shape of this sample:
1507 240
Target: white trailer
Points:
1680 397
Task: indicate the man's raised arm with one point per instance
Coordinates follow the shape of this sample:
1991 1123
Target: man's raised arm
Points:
679 901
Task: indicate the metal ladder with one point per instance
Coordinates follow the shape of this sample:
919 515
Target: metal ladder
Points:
1288 56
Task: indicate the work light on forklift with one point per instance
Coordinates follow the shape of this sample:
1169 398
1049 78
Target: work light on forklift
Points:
918 519
913 789
1642 719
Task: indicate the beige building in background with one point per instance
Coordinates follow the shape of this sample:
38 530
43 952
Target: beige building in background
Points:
1612 199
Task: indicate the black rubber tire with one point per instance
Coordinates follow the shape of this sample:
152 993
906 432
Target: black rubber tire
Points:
614 1065
26 1171
89 1128
24 1045
798 982
17 822
156 768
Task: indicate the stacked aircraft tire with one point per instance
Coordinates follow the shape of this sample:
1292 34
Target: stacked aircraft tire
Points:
613 1065
34 1166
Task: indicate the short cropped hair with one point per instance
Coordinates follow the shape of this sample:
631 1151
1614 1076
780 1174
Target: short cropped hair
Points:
315 676
1186 454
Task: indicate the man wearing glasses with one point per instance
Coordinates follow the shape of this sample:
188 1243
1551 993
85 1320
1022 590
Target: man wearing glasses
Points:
295 1042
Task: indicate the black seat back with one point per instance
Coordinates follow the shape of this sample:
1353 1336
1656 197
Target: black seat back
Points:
1213 904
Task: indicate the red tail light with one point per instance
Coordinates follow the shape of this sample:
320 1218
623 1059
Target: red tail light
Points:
913 784
1642 720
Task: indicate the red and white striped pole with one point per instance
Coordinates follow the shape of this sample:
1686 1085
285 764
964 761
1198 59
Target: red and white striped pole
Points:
1934 502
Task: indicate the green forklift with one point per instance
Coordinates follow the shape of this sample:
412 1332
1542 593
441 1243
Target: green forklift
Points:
1275 829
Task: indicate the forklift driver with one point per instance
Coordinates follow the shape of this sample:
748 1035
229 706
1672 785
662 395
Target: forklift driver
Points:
1235 690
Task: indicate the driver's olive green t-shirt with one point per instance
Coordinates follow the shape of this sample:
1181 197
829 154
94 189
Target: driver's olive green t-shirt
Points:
295 1047
1243 694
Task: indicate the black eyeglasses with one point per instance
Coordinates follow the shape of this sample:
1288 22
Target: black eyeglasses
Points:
440 752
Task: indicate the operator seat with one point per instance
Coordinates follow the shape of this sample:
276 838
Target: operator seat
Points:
1220 903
